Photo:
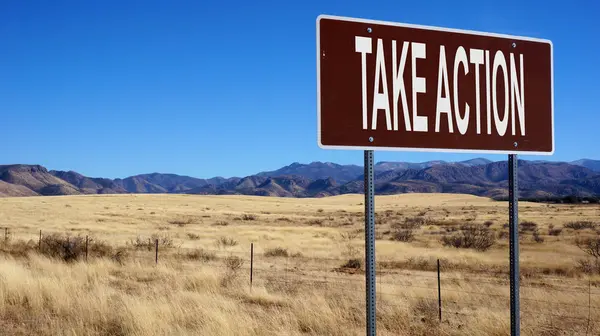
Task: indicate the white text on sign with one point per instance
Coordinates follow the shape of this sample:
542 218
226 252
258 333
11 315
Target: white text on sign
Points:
496 67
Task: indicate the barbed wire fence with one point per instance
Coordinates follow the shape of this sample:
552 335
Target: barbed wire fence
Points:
449 292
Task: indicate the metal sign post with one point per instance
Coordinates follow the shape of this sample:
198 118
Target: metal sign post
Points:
513 217
363 104
370 243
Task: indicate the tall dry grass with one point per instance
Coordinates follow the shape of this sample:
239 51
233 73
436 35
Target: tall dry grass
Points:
200 285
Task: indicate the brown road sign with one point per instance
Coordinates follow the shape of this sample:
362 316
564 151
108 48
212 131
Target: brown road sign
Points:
391 86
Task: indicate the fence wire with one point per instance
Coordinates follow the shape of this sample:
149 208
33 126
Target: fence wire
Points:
461 296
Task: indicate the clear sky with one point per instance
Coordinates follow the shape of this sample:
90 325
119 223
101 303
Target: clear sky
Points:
117 88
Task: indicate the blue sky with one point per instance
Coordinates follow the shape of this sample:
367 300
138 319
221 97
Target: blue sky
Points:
116 88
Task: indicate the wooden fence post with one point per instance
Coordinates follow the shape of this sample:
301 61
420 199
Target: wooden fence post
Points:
251 262
86 248
439 290
156 248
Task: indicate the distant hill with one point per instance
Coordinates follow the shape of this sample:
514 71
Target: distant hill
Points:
384 166
89 185
35 178
319 179
318 170
587 163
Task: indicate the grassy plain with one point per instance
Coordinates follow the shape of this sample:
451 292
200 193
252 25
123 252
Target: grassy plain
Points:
201 283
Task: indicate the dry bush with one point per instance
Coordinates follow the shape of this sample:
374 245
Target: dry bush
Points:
537 238
412 223
555 232
72 248
315 222
589 245
580 225
528 226
589 266
225 242
20 249
182 221
200 254
503 235
277 252
221 223
193 236
471 236
403 235
232 266
426 309
140 243
353 263
249 217
351 251
164 241
488 223
234 263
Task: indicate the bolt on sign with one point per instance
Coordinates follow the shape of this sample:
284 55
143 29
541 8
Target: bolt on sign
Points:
391 86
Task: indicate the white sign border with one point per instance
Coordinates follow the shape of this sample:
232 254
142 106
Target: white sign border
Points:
434 28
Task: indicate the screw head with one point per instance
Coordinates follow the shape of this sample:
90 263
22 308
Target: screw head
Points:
514 45
371 139
369 30
515 144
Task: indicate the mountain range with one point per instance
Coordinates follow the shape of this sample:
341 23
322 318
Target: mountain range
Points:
482 177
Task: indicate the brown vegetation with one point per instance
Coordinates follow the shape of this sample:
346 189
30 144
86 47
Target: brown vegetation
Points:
201 287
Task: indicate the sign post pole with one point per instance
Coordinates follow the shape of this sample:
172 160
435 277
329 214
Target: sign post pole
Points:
513 217
370 243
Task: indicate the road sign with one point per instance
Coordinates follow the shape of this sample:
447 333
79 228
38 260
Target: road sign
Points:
392 86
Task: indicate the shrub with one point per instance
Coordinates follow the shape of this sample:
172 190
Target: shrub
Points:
315 222
182 221
200 254
72 248
249 217
426 309
226 242
580 225
488 223
120 256
404 235
221 223
276 252
163 240
591 246
320 210
555 232
234 263
412 223
193 236
537 238
353 263
141 243
528 226
503 235
589 266
471 236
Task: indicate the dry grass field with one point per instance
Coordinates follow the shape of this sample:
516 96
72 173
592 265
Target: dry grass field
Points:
307 267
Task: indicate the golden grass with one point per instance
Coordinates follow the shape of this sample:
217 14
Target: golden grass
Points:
193 291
